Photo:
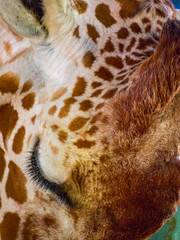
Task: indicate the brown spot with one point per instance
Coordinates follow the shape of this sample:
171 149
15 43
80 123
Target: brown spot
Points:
131 61
99 106
109 47
103 14
146 20
129 8
18 140
104 158
105 74
62 136
148 28
59 93
92 130
80 6
160 23
158 30
96 84
115 62
52 110
121 77
0 204
49 221
9 226
76 32
54 149
8 120
96 118
66 108
96 93
8 48
160 13
143 43
88 59
54 127
123 33
86 105
109 93
92 32
2 164
33 119
121 47
80 87
84 144
131 45
28 101
78 123
16 184
9 82
27 86
29 229
135 28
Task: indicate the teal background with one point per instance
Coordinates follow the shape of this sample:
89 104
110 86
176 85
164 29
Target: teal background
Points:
171 230
176 3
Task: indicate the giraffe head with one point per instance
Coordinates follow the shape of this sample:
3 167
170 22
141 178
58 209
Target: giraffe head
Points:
110 156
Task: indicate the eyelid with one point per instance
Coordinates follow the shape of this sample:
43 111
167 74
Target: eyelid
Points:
36 175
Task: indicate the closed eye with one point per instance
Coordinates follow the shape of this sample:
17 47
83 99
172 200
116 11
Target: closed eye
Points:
36 174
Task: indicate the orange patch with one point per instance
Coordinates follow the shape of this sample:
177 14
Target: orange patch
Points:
96 93
9 82
28 101
80 87
33 119
88 59
27 86
9 226
104 73
76 32
80 6
52 110
66 108
92 32
103 14
78 123
86 105
8 48
115 62
129 8
109 47
109 93
59 93
54 149
84 144
18 140
8 120
15 186
96 84
92 130
2 164
62 136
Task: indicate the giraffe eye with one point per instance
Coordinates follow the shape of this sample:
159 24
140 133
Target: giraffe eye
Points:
37 176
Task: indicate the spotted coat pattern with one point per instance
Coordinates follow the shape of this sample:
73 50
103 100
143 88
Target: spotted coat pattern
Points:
52 94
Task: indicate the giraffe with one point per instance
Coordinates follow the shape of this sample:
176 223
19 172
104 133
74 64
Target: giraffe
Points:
86 150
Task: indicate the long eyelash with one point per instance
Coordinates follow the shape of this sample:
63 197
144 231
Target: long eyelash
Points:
36 176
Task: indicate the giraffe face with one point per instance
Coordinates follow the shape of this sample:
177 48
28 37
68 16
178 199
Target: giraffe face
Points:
105 136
